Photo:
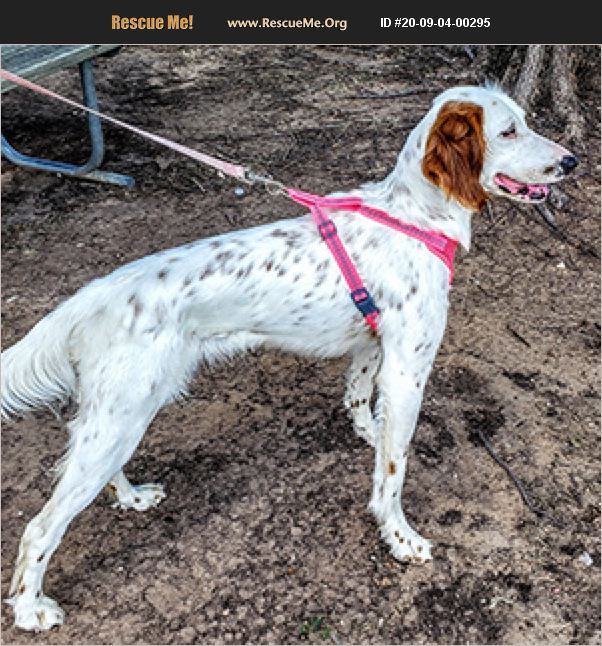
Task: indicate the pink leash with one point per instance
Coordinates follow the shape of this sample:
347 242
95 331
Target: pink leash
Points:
437 243
233 170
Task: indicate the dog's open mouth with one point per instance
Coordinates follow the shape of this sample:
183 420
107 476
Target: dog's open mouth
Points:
520 190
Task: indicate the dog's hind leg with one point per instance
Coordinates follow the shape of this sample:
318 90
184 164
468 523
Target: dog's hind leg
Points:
114 414
138 497
86 470
359 388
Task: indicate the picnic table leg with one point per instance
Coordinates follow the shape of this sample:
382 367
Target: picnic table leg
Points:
89 169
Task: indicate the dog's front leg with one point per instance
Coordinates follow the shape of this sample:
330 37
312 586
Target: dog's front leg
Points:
400 383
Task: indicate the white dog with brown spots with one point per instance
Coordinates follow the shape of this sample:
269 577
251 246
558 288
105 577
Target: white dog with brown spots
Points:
128 344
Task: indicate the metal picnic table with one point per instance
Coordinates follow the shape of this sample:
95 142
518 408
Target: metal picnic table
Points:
36 61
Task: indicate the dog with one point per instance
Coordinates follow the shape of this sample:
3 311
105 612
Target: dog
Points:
127 344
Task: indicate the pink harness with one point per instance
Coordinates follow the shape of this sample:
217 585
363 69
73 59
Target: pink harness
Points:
437 243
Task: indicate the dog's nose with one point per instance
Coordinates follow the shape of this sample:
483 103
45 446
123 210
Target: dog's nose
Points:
568 163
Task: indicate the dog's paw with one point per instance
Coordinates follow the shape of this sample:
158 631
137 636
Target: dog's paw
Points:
141 497
41 613
406 545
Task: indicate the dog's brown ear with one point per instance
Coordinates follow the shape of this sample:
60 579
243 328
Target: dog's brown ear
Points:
454 153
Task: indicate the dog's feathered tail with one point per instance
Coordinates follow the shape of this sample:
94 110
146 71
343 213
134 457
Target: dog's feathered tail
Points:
36 371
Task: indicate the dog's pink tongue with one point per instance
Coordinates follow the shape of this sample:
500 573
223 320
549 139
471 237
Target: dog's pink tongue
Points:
507 182
532 190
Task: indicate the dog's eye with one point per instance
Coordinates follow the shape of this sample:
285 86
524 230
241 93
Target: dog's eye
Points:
510 133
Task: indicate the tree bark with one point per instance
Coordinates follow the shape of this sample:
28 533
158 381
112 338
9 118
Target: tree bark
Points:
566 103
528 80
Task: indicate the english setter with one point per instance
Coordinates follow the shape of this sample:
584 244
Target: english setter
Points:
127 344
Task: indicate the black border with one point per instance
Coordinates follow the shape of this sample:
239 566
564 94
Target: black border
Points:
512 22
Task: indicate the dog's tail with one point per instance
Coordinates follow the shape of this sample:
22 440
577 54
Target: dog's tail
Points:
36 371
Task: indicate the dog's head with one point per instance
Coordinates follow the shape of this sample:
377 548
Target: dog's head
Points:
480 146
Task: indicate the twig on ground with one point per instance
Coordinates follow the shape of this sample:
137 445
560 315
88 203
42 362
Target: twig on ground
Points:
517 483
516 335
547 215
577 243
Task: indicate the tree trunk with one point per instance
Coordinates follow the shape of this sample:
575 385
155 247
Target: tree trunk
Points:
528 80
566 103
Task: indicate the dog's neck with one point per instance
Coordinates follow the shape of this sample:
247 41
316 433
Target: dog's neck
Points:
406 194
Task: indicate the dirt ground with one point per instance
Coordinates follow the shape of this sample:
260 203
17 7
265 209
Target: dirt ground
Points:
265 535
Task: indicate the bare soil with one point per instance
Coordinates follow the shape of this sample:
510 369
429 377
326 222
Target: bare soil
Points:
265 536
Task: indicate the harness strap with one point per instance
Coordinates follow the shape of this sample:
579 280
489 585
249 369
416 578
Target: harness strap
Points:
437 243
359 294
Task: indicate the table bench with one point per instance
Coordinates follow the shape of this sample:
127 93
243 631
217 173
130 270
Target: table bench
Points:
34 62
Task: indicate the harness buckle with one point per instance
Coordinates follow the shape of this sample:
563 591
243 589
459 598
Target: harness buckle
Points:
363 301
327 229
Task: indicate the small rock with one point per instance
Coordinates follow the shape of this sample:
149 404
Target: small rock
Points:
187 635
239 191
586 559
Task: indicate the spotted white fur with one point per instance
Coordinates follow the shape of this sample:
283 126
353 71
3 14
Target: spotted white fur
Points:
127 344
